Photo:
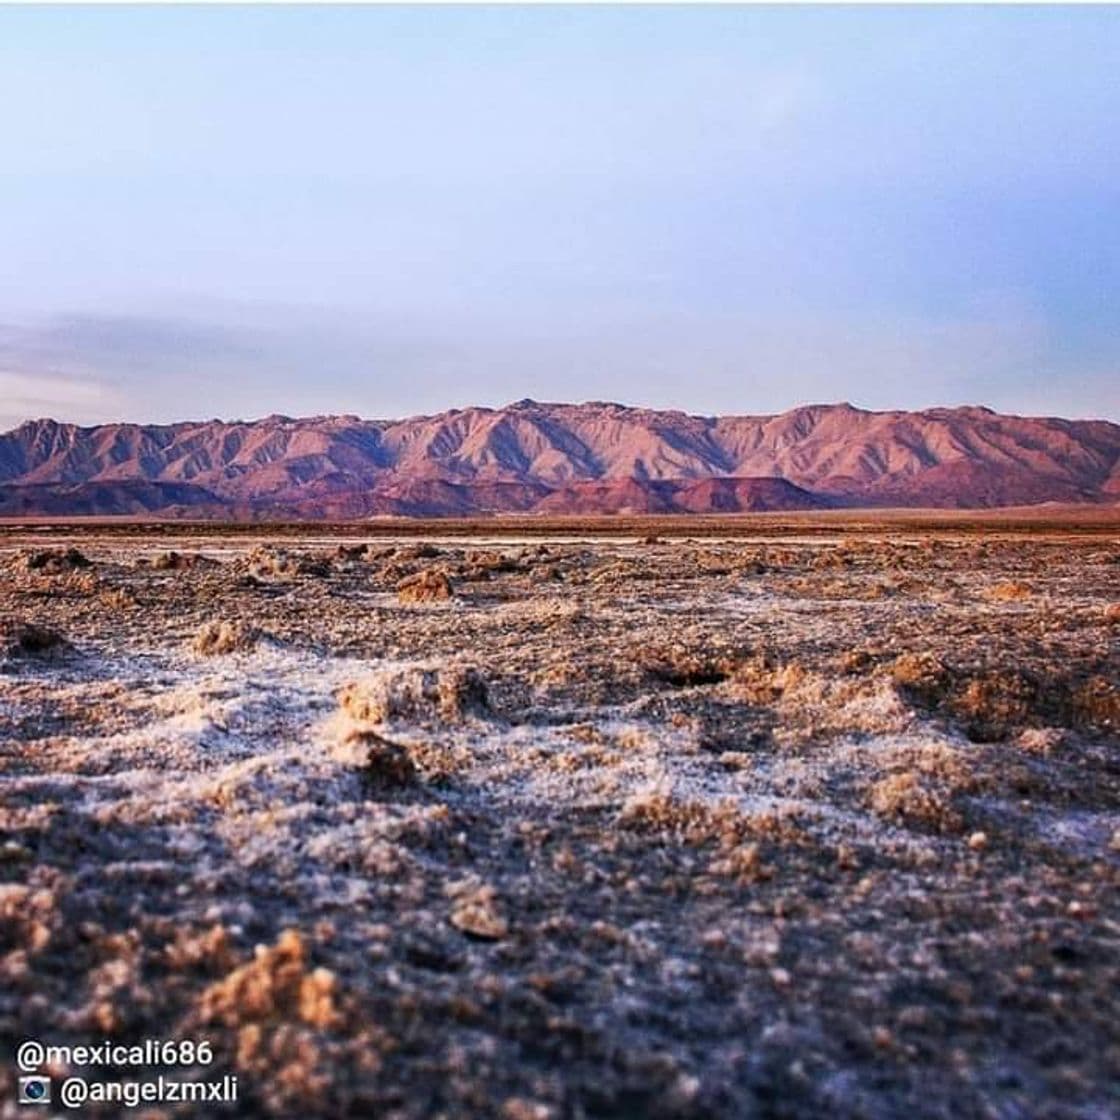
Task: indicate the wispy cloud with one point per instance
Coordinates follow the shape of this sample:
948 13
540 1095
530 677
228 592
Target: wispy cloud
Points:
230 360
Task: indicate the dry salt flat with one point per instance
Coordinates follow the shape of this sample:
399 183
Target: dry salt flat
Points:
814 826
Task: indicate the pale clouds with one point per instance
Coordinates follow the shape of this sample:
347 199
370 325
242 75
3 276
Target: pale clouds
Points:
242 361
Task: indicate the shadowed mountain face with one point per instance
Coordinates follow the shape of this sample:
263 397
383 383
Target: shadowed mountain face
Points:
556 459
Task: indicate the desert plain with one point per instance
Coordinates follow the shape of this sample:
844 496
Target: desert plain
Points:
672 819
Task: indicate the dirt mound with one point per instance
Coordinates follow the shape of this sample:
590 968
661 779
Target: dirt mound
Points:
993 703
272 564
19 639
764 680
52 561
910 797
428 586
172 561
681 667
384 765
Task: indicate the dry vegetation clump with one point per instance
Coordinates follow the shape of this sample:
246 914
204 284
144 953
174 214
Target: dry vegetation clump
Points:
614 573
81 583
429 586
660 811
735 834
922 782
221 636
753 567
714 563
437 763
352 553
989 702
854 586
117 598
950 766
831 559
546 573
1042 741
449 694
395 765
170 561
318 566
19 639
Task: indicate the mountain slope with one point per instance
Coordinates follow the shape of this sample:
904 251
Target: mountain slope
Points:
558 458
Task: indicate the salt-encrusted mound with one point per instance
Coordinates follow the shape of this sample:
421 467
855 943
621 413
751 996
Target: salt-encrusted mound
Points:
224 636
416 693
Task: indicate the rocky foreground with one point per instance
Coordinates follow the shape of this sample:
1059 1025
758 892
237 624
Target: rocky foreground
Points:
664 828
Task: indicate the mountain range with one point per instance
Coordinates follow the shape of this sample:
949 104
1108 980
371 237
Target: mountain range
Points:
530 457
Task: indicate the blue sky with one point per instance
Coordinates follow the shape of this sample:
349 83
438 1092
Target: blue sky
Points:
236 211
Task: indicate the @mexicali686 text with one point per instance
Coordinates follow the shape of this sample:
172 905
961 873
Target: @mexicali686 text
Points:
48 1074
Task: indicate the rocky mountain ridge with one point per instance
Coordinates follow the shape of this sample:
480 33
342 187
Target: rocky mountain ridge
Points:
590 458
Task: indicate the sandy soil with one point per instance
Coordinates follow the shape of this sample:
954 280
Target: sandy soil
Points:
790 827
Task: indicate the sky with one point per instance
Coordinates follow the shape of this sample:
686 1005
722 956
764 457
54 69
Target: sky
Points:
231 212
